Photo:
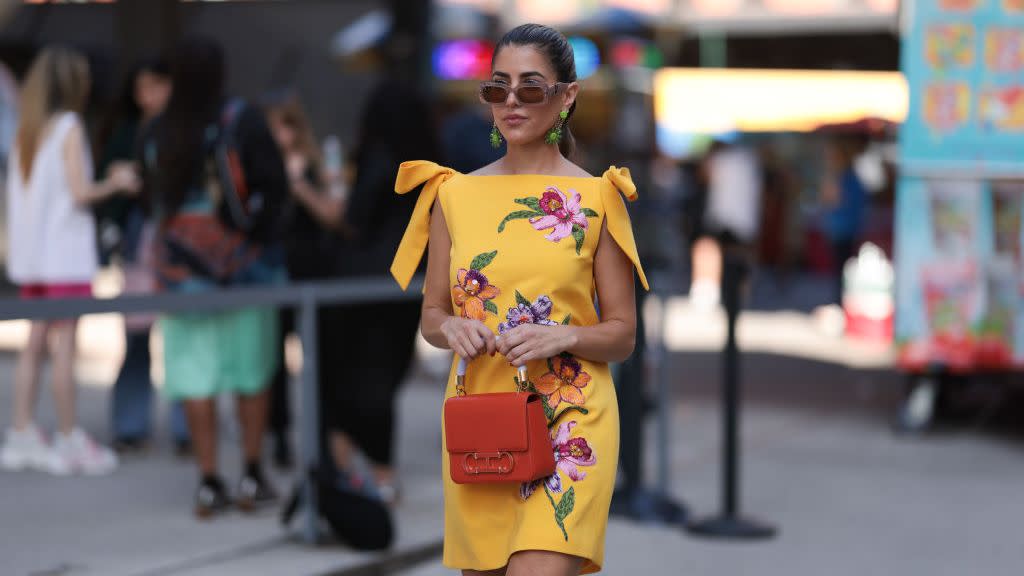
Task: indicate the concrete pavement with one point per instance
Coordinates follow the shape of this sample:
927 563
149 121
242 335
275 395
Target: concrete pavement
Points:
849 497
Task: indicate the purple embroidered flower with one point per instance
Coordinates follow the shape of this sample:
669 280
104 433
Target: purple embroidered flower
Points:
554 483
560 214
570 454
536 313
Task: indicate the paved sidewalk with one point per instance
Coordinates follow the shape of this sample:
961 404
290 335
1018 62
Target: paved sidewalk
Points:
849 497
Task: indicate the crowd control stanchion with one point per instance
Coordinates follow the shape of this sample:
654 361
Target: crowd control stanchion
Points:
632 499
729 523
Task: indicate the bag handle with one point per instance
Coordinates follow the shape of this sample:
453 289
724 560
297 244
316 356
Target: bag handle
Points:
460 378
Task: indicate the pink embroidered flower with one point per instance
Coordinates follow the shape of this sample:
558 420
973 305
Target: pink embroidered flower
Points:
570 454
560 214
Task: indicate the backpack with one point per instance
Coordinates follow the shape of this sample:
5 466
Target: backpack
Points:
218 245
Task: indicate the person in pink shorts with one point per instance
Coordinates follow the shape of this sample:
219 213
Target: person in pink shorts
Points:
52 254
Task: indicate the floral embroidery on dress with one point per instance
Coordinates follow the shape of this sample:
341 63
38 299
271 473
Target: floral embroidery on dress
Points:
563 215
563 382
474 293
526 312
571 453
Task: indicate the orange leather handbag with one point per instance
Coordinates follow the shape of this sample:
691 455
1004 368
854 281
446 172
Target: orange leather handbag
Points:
499 437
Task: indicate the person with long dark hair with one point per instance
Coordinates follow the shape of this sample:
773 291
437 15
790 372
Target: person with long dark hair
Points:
222 352
372 346
125 233
518 250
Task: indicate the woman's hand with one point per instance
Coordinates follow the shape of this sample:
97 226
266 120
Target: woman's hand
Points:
528 342
468 338
123 178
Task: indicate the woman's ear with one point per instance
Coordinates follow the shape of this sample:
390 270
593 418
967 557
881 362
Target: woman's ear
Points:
570 95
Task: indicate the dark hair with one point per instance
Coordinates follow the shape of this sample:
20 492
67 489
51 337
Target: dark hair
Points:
556 48
125 109
197 75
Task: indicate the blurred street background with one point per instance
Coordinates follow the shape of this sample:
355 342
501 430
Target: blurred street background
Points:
851 168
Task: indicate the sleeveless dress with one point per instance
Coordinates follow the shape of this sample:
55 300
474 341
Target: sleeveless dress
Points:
51 238
523 252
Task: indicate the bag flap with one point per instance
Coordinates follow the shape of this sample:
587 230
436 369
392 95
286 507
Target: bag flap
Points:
487 422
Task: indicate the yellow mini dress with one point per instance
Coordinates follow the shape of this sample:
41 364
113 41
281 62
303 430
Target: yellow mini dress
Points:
523 252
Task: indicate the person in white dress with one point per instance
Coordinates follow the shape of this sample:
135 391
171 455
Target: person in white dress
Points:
51 254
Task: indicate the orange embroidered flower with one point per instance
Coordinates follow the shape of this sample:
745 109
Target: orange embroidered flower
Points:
473 294
564 382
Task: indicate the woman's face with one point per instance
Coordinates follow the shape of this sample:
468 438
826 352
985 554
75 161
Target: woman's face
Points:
284 133
523 124
152 91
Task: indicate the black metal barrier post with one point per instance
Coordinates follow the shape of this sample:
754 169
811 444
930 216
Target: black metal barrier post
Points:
305 297
309 335
633 499
729 523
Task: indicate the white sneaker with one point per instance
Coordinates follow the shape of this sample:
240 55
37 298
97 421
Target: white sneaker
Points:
26 449
77 452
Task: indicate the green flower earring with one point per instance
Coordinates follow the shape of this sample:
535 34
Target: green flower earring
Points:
555 135
495 136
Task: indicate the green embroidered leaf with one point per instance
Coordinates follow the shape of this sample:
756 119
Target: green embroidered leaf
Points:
490 307
566 504
559 521
520 299
589 213
520 215
549 412
482 260
567 320
580 409
532 202
578 235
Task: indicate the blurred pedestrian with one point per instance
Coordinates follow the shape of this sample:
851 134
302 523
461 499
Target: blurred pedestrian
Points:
127 232
532 276
50 187
844 198
217 181
732 215
310 218
365 365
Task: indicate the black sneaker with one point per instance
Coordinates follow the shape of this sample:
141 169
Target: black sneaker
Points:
254 492
211 498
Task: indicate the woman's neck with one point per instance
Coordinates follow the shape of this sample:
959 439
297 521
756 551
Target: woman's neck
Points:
535 158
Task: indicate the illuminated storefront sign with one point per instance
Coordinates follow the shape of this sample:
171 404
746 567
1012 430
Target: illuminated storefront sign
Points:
689 102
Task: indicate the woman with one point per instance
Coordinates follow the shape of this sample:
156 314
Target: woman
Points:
520 247
146 92
49 190
310 244
233 351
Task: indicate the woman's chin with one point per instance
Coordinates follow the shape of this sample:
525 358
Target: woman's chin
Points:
519 137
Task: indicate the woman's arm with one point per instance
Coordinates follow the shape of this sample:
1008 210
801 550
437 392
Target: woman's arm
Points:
328 211
467 338
120 176
611 340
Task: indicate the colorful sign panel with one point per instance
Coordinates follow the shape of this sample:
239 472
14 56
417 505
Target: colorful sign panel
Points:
959 280
964 62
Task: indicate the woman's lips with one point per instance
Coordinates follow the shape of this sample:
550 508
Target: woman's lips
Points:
514 120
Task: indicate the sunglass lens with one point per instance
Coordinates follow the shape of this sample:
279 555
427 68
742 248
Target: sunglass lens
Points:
530 94
493 94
